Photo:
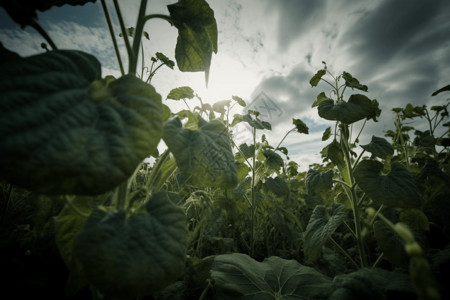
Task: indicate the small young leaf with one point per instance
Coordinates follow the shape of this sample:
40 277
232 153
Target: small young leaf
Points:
256 123
165 60
321 226
314 81
352 82
379 147
239 100
184 92
321 97
326 134
300 126
357 108
397 189
220 106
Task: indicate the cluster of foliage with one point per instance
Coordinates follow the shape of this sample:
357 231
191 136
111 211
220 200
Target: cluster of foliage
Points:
209 219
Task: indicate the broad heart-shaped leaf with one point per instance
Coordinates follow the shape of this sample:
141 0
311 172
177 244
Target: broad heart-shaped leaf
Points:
238 276
277 186
63 130
197 35
372 283
204 156
24 11
134 255
68 223
357 108
321 226
379 147
317 181
397 189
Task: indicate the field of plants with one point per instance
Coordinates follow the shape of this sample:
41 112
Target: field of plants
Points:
85 216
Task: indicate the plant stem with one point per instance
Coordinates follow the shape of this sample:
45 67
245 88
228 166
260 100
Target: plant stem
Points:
44 34
137 37
279 144
354 199
344 252
120 196
113 38
131 58
253 208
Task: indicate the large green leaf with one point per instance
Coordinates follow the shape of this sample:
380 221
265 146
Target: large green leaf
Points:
317 181
68 223
238 276
24 11
379 147
321 226
64 130
204 156
197 35
357 108
372 284
134 255
277 186
397 188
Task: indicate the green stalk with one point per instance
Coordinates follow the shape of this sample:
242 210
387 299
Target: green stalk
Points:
354 199
113 38
44 34
253 208
125 35
137 37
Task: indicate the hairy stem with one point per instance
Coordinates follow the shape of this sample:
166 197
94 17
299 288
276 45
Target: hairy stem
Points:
44 34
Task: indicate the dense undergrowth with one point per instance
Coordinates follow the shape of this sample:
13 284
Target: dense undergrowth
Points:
84 216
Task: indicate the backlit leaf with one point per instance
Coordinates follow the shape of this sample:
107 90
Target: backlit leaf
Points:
183 92
379 147
64 130
204 156
357 108
238 276
197 35
314 81
321 226
397 188
146 250
239 100
321 97
256 123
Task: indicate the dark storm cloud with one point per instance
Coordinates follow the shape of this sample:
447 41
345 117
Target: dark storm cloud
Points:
292 93
295 18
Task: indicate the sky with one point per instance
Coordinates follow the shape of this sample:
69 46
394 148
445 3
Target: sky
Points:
269 49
